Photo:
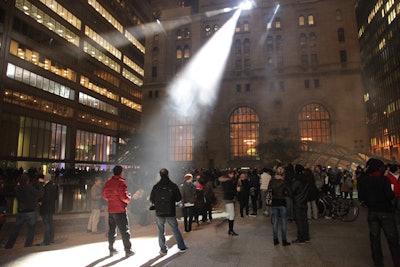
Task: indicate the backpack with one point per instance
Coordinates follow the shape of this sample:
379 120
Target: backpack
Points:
199 199
163 201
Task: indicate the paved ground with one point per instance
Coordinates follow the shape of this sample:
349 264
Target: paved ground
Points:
333 243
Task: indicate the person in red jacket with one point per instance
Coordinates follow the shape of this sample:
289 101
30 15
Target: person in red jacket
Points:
115 191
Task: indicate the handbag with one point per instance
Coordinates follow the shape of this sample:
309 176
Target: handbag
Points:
268 197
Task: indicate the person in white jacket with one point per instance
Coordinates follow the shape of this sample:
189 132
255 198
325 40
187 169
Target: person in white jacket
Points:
265 178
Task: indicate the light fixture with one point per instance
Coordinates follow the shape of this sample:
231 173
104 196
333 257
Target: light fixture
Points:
246 5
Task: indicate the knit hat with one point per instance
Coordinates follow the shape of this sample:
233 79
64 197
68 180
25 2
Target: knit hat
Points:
188 176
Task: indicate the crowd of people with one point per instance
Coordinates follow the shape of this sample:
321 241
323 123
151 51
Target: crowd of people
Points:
294 191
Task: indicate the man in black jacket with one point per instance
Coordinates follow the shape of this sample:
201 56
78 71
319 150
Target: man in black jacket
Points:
27 197
47 209
164 196
375 191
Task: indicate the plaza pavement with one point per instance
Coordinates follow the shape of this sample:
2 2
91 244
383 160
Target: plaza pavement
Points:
333 243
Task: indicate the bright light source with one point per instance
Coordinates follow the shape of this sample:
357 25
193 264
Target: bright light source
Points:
246 5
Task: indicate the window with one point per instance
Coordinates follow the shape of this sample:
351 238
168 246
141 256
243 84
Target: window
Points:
314 123
186 33
244 133
304 60
343 56
281 86
314 59
270 43
278 23
238 47
339 15
303 39
180 139
246 47
186 52
246 26
310 19
238 88
248 87
179 52
306 84
154 71
341 37
316 83
178 34
301 21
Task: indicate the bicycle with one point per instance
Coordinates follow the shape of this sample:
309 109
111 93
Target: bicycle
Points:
346 210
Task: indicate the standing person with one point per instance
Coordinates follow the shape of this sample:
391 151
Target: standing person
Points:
27 197
300 191
200 201
47 209
290 176
244 194
95 205
374 189
393 175
187 192
228 185
164 196
254 180
115 191
280 189
211 200
265 178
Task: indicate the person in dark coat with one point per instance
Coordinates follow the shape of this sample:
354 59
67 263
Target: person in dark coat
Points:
375 191
47 205
27 197
163 216
300 191
228 184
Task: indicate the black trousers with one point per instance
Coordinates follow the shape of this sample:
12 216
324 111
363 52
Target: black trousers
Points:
119 220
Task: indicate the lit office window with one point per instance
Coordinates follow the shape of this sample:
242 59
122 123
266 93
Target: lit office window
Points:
131 104
90 101
301 21
180 139
63 12
100 56
310 19
132 77
314 123
135 42
39 82
85 81
97 121
41 139
94 146
52 24
129 62
36 58
102 42
244 133
105 14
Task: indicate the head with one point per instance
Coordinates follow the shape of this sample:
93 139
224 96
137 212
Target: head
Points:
117 170
374 165
280 170
23 179
188 177
98 180
164 173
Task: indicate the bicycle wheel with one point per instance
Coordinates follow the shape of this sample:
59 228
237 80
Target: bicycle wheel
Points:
321 208
347 210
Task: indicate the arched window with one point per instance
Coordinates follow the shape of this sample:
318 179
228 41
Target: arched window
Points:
314 123
310 20
178 52
244 133
339 15
341 37
303 39
246 47
180 134
186 52
301 21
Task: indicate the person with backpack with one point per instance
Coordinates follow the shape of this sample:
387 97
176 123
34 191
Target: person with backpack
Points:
164 196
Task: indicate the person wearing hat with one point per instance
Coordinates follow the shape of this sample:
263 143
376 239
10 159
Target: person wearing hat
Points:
188 189
47 208
375 191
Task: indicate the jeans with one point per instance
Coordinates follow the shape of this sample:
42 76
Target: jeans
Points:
22 217
289 207
312 210
48 228
119 220
387 222
188 213
173 224
277 212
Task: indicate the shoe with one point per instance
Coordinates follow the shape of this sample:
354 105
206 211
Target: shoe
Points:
297 241
113 251
328 217
307 240
129 253
276 242
183 250
285 243
232 233
253 214
163 253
